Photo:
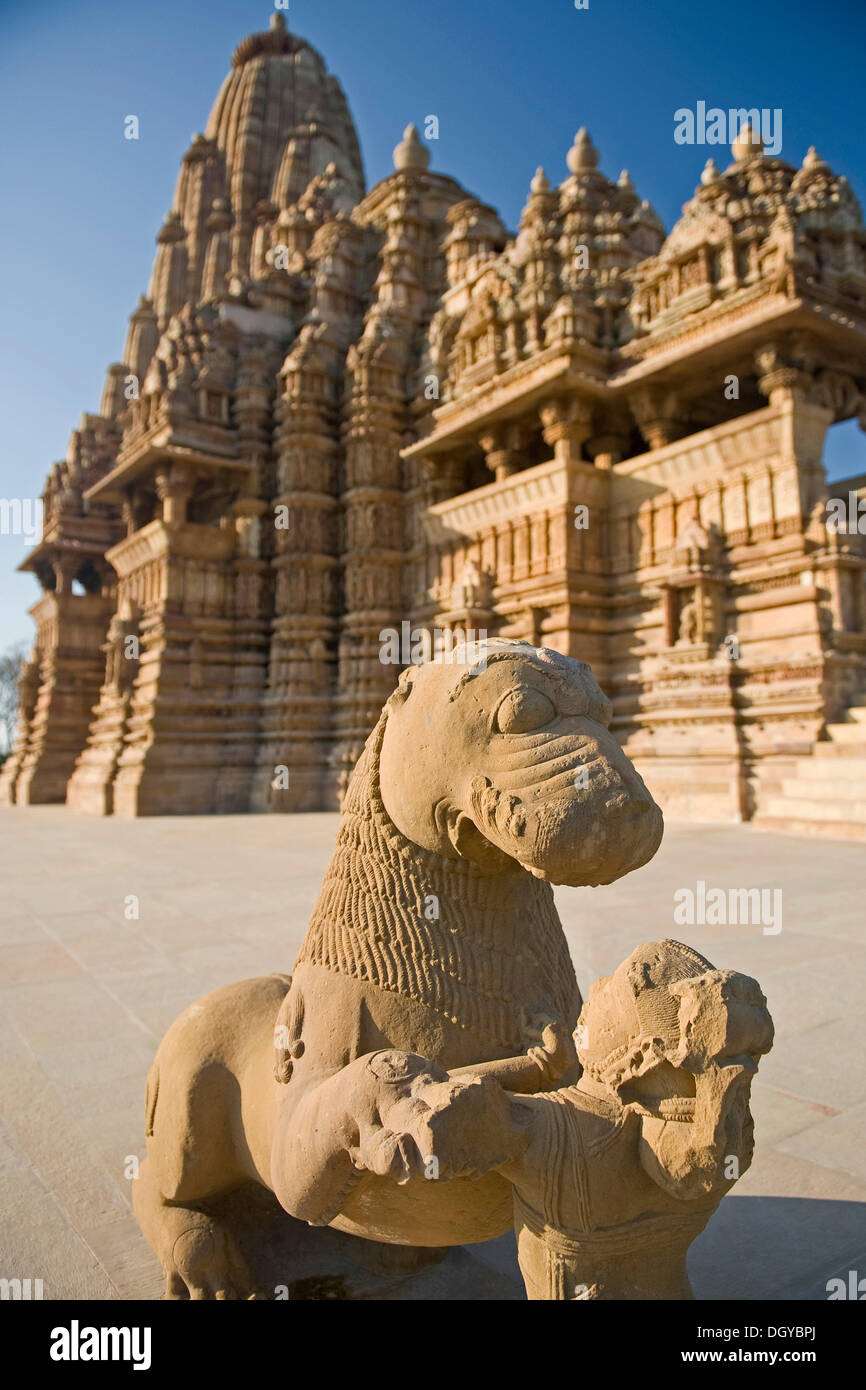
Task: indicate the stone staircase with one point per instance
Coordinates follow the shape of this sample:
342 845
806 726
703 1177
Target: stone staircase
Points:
826 796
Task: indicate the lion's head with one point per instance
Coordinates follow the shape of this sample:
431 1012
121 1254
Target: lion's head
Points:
502 752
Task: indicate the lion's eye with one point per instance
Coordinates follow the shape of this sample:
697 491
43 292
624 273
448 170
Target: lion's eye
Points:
523 711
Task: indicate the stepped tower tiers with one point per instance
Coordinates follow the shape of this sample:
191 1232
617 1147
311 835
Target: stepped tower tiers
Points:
342 411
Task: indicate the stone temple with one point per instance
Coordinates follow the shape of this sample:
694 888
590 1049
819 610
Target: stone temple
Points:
340 411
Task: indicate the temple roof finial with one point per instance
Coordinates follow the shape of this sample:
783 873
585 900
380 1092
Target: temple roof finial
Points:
410 153
709 173
748 143
813 161
582 158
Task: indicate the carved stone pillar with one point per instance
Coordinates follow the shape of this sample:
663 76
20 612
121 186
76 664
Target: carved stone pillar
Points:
252 600
376 421
28 688
90 787
297 725
502 449
71 629
658 411
780 380
566 425
174 488
607 449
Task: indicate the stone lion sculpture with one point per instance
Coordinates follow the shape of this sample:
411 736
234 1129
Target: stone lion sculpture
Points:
434 981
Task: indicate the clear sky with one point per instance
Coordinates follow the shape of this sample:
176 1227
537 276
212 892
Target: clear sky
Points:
510 80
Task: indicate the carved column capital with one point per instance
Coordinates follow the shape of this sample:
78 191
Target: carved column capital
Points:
779 378
838 392
607 449
566 424
174 487
500 457
658 411
65 568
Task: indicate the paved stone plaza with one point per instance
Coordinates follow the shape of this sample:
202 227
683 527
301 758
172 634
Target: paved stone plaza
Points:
86 993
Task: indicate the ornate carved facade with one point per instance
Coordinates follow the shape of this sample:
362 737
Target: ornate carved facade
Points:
340 411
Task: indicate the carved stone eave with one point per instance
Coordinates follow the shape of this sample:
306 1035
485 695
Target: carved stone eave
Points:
515 392
685 654
716 333
732 328
467 618
88 536
159 452
61 549
684 576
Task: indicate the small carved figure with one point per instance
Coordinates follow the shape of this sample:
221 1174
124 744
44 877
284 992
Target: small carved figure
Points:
121 649
623 1170
473 588
688 626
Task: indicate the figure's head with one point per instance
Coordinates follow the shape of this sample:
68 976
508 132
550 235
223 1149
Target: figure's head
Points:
680 1041
505 754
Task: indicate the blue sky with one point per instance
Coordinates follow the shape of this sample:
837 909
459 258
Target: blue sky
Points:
510 80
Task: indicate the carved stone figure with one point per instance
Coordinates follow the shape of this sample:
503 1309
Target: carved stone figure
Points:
688 627
434 963
121 654
473 590
623 1170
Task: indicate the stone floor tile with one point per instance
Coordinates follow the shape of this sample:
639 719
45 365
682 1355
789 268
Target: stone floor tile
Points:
35 962
836 1142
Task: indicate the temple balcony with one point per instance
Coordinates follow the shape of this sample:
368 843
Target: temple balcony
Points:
166 453
515 392
515 497
185 539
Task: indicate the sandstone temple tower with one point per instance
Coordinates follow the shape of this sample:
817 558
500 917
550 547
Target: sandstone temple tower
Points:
340 411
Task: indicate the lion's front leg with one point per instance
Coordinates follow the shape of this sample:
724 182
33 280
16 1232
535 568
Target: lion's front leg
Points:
390 1114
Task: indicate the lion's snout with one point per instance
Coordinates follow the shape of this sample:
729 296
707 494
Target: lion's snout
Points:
579 836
